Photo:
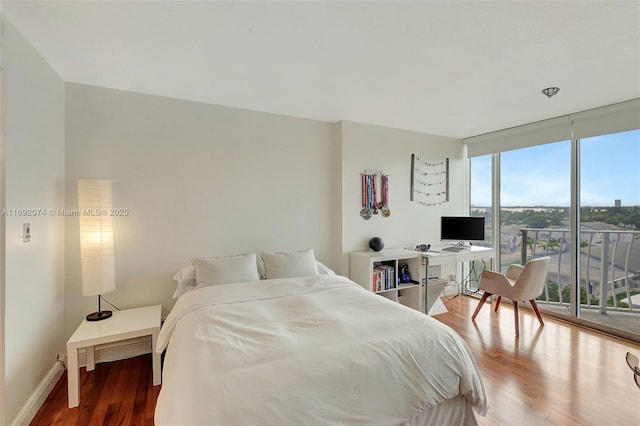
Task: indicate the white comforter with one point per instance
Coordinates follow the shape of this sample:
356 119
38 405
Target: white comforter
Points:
312 350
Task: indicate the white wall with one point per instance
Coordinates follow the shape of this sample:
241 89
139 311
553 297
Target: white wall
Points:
2 234
35 148
368 147
198 180
206 180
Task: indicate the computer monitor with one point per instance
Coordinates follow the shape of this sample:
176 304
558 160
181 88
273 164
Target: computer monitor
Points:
462 228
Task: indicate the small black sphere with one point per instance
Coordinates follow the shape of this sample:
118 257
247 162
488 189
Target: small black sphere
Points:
376 244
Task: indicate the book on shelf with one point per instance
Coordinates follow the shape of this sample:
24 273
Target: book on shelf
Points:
377 280
391 278
384 277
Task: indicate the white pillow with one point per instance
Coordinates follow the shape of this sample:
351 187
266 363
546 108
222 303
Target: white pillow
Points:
287 265
186 278
225 270
322 268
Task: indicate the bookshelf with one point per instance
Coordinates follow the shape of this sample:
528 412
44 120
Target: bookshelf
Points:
379 273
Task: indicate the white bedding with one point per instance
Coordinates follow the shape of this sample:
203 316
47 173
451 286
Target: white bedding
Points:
312 350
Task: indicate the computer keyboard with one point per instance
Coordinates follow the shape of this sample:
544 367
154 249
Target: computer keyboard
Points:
455 249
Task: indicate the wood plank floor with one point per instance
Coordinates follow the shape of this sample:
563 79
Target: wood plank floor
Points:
559 374
115 393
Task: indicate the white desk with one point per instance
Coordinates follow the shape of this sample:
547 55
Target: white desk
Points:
441 257
125 324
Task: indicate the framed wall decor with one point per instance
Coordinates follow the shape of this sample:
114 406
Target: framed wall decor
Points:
429 181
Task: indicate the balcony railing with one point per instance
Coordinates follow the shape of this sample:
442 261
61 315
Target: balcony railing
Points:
609 266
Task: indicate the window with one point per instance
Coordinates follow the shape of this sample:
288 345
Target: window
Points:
553 191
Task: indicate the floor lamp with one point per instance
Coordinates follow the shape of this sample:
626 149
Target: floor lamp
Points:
96 241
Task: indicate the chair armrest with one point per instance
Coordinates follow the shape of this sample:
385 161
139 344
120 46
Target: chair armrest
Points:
513 271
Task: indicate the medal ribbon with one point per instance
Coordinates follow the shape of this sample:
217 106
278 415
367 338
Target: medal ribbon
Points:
375 192
385 190
369 193
364 187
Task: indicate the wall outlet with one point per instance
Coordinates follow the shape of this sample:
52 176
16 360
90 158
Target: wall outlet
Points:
26 232
62 359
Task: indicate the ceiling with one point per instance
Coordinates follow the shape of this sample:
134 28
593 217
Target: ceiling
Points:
454 68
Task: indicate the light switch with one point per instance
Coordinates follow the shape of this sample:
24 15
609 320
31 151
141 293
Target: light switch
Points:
26 232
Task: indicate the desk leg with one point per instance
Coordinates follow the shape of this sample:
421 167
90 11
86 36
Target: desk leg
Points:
155 356
73 385
91 358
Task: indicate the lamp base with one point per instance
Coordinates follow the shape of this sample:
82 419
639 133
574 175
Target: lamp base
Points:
98 316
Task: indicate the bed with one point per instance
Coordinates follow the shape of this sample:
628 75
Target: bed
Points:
311 350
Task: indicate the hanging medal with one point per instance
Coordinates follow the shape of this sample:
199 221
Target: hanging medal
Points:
370 194
374 190
384 181
365 212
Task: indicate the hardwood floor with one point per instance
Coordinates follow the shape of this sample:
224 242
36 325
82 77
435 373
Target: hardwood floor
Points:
115 393
558 374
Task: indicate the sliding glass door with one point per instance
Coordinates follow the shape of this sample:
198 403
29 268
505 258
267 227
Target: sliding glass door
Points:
535 215
600 283
609 285
481 194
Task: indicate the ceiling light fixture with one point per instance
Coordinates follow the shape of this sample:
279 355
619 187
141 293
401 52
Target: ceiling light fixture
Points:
550 91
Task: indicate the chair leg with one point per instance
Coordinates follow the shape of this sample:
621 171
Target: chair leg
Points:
534 305
515 313
498 303
480 304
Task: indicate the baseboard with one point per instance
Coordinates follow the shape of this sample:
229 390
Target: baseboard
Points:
37 398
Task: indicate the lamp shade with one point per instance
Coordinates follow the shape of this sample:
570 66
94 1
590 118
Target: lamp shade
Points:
96 236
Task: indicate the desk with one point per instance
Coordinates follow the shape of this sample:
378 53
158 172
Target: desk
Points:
124 324
439 257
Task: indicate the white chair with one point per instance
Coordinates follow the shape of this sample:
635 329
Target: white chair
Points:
519 283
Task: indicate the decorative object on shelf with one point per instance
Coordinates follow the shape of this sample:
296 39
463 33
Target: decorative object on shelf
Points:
96 241
369 195
423 247
404 276
429 181
376 244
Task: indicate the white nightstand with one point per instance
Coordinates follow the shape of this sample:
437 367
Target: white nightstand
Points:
125 324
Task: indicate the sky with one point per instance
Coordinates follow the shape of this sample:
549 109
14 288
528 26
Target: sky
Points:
540 175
